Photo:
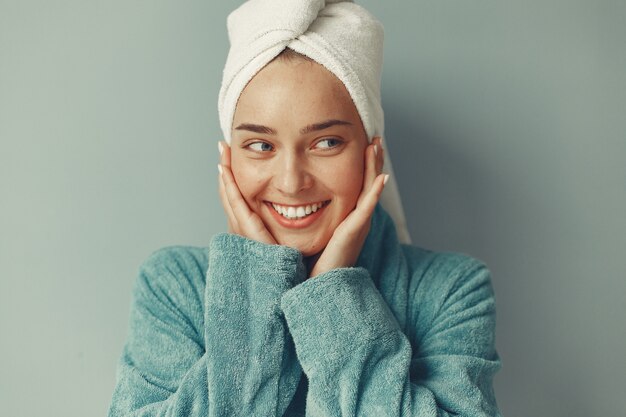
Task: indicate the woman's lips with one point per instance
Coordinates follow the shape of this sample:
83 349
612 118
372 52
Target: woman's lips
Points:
296 223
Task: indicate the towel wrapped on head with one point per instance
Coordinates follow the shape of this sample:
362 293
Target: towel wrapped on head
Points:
340 35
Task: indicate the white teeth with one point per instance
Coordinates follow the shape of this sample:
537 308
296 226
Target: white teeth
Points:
297 212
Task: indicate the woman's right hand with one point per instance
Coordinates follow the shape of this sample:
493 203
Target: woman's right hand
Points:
241 220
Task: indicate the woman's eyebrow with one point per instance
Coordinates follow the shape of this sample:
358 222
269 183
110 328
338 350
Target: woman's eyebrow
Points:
323 125
307 129
256 128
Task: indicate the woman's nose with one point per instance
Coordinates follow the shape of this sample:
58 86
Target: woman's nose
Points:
291 176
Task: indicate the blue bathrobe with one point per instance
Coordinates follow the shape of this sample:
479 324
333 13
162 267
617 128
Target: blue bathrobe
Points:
237 329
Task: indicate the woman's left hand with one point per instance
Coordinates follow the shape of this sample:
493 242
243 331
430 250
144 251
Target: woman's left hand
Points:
241 219
347 240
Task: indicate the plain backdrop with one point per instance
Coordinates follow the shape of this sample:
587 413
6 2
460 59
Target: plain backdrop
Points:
506 123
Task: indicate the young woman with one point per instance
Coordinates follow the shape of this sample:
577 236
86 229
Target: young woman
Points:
310 305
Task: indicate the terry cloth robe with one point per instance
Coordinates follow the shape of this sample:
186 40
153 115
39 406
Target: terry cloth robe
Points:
237 329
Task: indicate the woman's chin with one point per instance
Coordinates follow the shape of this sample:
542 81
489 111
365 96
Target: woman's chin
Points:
308 247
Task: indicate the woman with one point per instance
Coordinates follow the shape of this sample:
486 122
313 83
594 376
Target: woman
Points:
310 305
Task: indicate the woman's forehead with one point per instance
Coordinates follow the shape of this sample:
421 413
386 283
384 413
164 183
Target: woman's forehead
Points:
302 91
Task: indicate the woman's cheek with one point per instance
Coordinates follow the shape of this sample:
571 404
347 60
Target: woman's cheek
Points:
249 180
347 178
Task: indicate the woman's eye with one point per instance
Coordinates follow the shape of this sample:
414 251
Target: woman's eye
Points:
260 146
328 143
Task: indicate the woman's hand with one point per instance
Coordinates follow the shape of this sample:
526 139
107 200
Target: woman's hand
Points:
241 220
347 240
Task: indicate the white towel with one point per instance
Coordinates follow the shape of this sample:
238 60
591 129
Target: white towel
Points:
340 35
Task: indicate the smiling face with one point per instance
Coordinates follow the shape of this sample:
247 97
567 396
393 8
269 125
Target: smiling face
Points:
297 152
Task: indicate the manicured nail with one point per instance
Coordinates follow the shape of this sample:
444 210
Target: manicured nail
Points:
219 168
220 147
375 149
385 179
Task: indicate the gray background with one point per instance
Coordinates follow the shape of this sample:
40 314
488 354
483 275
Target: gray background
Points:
505 121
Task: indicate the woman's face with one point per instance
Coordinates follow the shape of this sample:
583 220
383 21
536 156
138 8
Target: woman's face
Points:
297 152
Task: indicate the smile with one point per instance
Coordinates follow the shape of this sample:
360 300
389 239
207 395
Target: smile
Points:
297 217
298 212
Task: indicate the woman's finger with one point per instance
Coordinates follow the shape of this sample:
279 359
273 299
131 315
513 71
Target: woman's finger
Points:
240 208
368 202
370 165
249 223
380 160
369 172
233 226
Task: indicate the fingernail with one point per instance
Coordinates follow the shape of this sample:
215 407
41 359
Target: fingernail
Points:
385 179
219 168
220 147
375 149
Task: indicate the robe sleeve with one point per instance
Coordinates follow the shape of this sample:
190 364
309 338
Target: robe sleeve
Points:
253 369
359 362
162 370
210 342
